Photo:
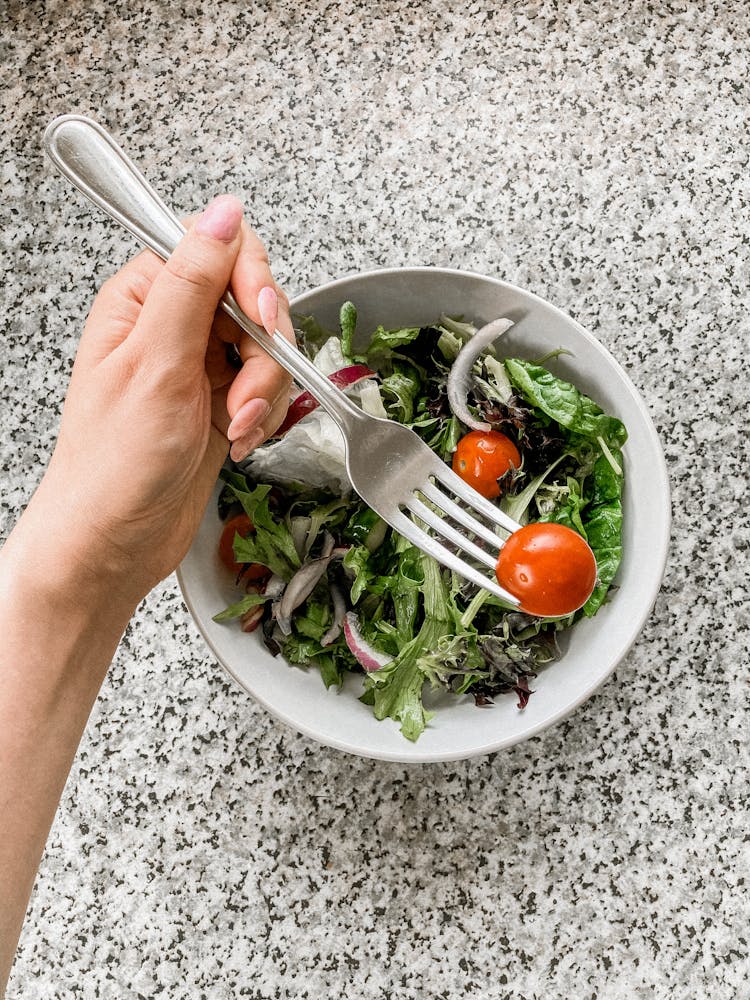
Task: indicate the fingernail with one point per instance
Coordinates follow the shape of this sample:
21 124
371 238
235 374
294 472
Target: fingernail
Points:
268 307
221 219
242 448
249 416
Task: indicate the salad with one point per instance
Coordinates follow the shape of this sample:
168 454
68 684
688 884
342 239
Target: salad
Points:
332 585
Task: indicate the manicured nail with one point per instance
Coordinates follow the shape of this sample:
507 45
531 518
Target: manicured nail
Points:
242 448
268 307
249 416
221 219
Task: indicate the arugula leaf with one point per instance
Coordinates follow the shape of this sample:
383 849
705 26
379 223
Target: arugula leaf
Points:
444 440
516 506
564 403
237 610
301 650
313 618
329 514
457 327
496 385
449 344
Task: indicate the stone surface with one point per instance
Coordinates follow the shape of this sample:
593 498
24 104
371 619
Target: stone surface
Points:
597 157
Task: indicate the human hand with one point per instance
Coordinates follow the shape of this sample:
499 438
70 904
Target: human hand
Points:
153 399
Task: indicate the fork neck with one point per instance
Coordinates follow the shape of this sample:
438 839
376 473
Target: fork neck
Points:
347 414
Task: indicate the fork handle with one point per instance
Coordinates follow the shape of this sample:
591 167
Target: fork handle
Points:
87 155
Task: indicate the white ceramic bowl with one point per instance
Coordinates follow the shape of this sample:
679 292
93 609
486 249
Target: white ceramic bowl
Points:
297 697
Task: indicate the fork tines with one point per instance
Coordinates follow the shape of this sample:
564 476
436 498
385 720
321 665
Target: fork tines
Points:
438 511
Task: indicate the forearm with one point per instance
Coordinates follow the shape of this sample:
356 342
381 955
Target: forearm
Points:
60 626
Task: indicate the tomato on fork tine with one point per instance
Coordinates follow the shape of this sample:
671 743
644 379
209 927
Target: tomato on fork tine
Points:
550 568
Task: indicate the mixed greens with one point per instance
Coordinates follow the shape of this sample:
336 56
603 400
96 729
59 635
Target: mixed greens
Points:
333 586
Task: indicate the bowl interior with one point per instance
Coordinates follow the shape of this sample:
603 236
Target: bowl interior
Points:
297 696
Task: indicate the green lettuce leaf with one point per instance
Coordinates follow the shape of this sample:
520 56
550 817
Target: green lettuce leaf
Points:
397 687
313 334
348 321
567 506
406 590
564 403
400 391
330 670
367 578
399 695
271 544
602 523
384 342
239 609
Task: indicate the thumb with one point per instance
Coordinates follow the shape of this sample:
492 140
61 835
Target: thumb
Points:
180 306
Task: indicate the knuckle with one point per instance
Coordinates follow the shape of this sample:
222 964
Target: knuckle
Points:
190 272
140 286
111 288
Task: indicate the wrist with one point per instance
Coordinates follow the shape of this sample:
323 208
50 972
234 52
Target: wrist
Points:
59 570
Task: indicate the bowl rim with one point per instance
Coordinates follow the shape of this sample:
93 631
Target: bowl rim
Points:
659 561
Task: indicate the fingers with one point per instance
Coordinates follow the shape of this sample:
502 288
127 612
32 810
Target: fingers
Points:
178 312
117 307
254 422
268 307
252 274
258 398
169 310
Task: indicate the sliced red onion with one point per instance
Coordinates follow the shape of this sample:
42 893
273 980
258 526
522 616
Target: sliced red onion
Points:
274 586
299 528
369 657
339 610
305 403
303 583
459 379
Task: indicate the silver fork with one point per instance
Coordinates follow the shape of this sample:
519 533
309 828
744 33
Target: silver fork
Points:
390 467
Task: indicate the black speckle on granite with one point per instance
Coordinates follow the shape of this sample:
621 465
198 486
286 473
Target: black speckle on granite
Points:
594 153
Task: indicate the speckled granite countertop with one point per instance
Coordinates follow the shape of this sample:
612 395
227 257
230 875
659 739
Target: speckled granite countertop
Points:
202 850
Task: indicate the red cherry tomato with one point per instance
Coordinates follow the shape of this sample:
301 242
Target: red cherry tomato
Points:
242 525
548 567
482 457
